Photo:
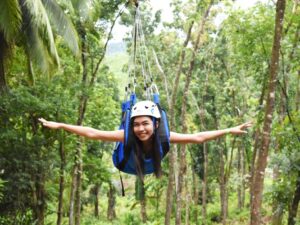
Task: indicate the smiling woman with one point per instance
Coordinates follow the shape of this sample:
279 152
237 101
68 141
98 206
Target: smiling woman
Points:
145 150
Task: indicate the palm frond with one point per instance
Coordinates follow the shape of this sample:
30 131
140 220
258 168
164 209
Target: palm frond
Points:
41 20
83 8
10 18
36 49
62 24
68 6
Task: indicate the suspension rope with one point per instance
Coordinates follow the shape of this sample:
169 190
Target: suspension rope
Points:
140 51
131 81
149 86
143 42
139 55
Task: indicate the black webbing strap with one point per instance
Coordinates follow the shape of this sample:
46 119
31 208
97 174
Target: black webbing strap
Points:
122 185
128 144
162 131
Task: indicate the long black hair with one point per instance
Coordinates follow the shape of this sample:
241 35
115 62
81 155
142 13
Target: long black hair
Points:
139 154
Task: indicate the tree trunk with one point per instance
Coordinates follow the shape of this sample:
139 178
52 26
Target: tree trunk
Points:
75 200
195 194
241 172
72 195
141 196
297 103
223 186
143 210
204 184
257 142
39 206
294 206
257 185
172 155
96 202
277 204
222 171
181 175
187 201
3 85
3 48
157 199
257 139
277 208
39 201
182 164
61 181
201 113
111 212
30 70
78 183
239 189
243 165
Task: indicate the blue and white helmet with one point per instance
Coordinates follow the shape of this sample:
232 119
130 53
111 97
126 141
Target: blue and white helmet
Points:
145 108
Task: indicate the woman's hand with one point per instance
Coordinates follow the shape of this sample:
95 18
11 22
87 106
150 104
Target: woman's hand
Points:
240 129
50 124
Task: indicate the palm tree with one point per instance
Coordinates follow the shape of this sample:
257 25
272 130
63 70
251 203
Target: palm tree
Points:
30 24
10 21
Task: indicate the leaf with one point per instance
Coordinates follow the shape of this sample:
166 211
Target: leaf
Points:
10 18
40 19
62 24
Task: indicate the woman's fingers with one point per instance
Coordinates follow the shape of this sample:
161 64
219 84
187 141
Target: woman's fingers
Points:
42 120
246 125
49 124
241 129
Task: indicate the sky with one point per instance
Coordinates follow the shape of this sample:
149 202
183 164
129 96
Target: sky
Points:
164 5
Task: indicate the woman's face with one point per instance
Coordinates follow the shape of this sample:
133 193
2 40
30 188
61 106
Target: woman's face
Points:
143 127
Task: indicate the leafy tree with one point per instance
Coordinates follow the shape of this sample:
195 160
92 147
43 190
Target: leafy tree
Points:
30 24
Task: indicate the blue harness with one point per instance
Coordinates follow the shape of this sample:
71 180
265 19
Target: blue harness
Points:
123 155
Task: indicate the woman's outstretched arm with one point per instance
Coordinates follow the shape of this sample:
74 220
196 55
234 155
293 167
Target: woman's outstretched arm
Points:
88 132
201 137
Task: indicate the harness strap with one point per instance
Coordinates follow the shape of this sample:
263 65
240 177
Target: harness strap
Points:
128 134
164 133
123 190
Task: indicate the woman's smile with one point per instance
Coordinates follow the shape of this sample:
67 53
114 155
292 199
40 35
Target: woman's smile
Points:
143 127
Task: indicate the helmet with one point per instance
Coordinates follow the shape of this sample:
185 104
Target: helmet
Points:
145 108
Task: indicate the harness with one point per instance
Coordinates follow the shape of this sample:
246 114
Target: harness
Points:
139 70
123 155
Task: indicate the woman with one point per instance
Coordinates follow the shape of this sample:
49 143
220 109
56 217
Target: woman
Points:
145 118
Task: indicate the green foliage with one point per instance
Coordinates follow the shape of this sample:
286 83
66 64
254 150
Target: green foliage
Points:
231 70
20 218
2 183
132 219
10 19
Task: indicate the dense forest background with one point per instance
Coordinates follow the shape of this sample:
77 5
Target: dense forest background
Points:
211 74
